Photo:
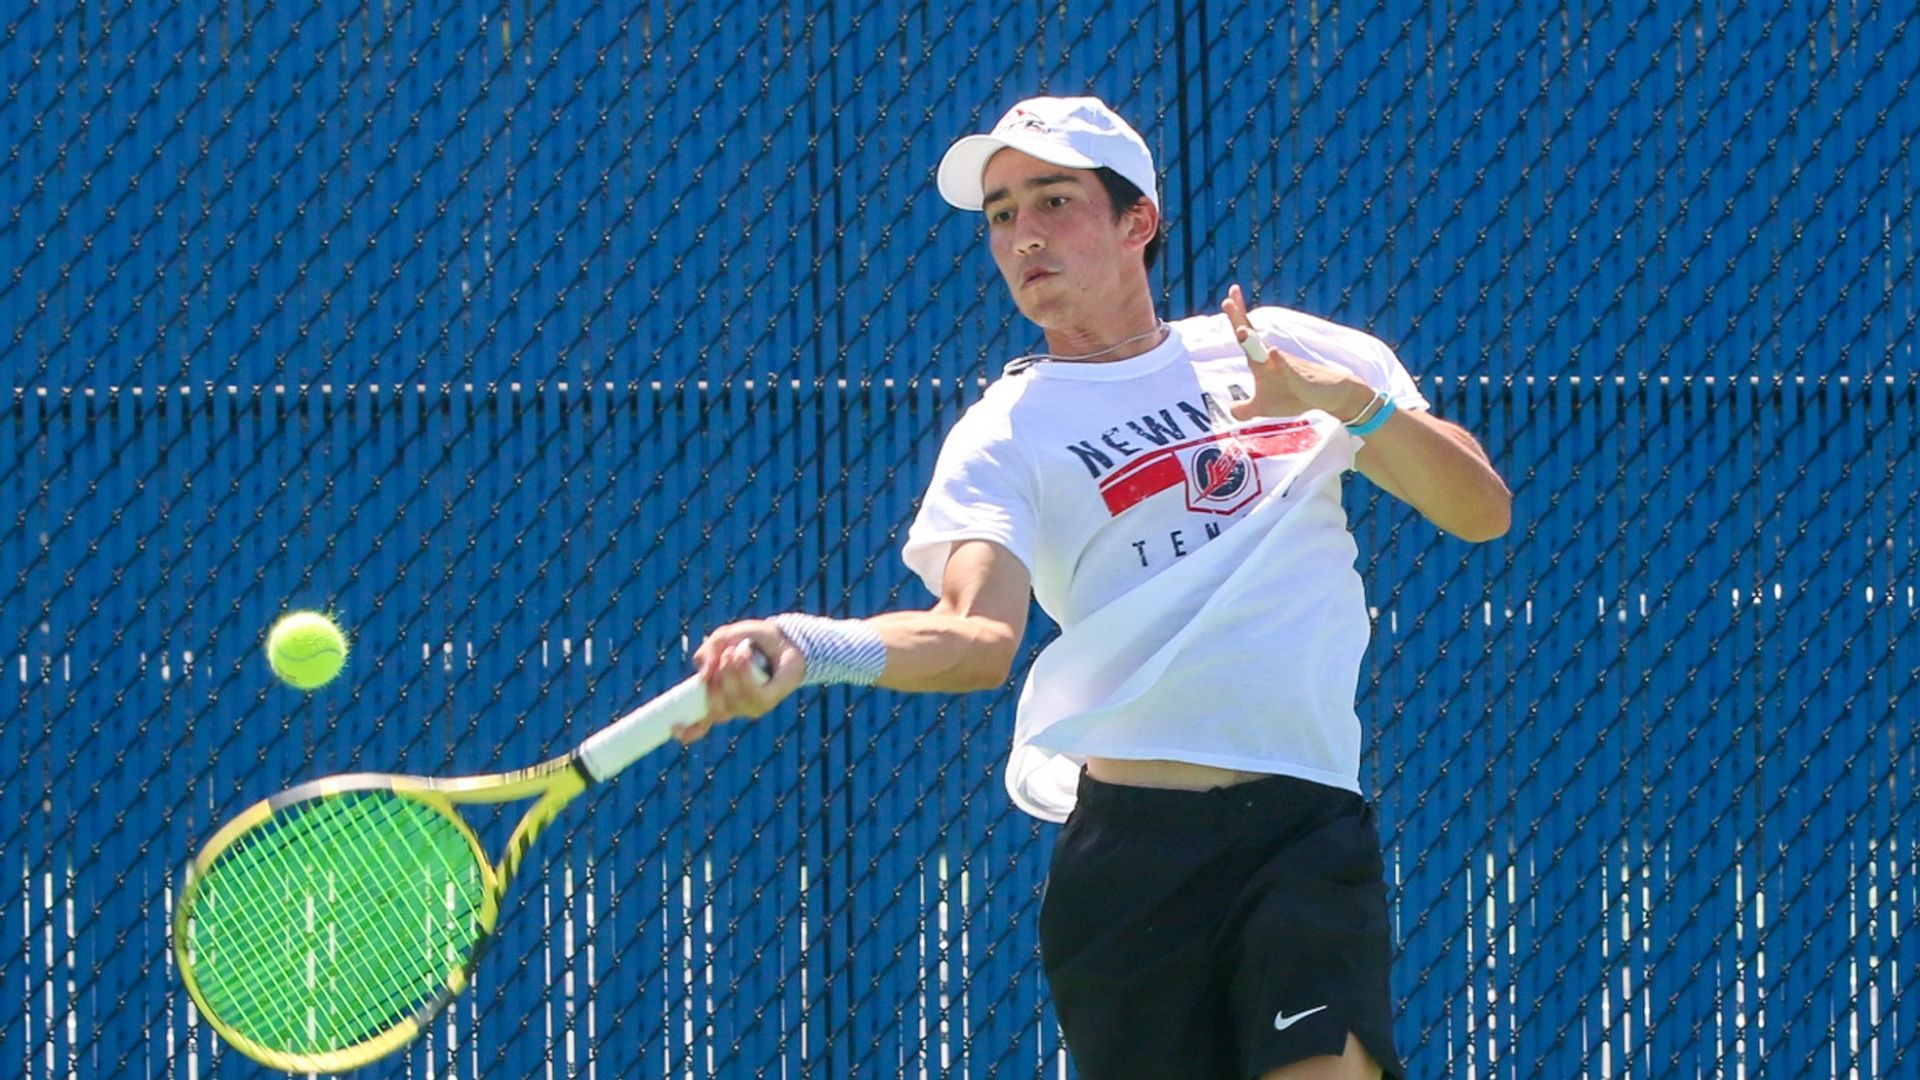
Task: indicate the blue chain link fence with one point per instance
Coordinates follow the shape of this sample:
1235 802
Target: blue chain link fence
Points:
534 340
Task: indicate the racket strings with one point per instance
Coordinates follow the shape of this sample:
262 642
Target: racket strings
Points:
335 920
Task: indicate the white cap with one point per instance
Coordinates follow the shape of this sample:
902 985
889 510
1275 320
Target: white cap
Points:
1076 132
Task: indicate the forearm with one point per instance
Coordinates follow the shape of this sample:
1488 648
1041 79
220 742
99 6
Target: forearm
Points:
941 651
968 641
1434 466
1440 470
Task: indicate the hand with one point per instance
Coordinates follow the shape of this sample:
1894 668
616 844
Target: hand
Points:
734 684
1287 385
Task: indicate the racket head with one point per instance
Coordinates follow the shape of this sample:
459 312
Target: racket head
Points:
322 928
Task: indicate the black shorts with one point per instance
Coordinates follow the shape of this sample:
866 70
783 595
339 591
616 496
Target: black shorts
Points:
1217 934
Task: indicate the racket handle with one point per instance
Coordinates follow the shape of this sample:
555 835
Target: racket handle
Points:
607 752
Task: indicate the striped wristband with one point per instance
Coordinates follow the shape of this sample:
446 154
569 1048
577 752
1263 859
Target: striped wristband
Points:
836 650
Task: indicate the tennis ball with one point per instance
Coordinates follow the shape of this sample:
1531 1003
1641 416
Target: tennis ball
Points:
306 649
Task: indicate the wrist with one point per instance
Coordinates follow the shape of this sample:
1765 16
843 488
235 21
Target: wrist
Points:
1355 398
1373 416
836 650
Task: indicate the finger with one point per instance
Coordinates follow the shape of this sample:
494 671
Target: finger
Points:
738 686
688 734
1235 308
1259 353
731 695
1249 345
749 657
1257 350
709 650
735 666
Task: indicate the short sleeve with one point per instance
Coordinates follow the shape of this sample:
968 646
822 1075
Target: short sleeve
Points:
1396 380
982 489
1369 358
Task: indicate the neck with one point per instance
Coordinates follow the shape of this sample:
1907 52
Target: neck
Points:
1128 336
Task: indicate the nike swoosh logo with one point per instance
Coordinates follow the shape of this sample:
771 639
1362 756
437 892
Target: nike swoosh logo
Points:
1281 1021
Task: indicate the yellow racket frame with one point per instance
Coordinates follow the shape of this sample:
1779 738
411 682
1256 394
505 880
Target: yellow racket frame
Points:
555 783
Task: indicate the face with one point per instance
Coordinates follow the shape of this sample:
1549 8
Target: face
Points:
1065 259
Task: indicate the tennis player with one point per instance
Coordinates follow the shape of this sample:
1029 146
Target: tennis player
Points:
1170 494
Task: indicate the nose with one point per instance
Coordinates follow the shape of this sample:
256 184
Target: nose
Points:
1026 238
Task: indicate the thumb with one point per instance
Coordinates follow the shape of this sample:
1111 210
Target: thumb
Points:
1243 410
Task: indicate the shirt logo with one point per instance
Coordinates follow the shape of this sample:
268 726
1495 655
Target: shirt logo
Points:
1217 470
1281 1021
1221 478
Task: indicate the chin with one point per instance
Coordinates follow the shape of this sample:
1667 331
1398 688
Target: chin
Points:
1034 313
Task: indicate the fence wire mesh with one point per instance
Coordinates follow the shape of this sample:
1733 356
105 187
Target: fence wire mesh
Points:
1647 773
403 192
535 338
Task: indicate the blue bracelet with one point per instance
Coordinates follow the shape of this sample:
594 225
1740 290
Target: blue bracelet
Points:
1372 423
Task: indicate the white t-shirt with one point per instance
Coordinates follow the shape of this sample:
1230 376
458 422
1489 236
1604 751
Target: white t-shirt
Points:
1201 569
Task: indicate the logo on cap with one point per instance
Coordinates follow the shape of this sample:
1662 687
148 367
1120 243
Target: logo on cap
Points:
1026 121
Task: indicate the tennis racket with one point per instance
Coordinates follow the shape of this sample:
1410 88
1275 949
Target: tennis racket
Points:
325 927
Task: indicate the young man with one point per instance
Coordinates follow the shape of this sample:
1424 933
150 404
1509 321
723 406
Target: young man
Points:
1170 494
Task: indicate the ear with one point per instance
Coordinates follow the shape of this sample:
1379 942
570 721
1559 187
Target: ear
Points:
1142 221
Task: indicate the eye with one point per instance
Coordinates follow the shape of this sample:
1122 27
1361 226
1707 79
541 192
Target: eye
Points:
1057 201
999 217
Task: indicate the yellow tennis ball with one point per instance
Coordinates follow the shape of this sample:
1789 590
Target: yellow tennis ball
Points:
307 649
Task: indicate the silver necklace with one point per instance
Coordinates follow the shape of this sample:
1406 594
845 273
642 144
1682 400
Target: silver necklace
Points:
1022 363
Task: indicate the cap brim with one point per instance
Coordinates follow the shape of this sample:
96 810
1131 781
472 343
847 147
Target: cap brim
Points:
961 170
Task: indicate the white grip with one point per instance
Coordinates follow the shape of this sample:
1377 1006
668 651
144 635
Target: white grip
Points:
611 749
608 752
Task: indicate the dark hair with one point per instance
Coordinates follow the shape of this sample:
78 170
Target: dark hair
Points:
1123 194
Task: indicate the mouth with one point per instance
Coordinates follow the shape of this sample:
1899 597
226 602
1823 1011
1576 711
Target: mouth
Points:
1034 275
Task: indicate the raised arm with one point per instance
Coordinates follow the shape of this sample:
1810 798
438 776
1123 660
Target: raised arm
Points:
1440 470
967 641
1434 466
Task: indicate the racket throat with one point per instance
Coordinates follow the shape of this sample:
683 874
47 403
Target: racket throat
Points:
565 787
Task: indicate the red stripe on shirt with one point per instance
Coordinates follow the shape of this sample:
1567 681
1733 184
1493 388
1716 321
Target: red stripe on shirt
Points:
1161 469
